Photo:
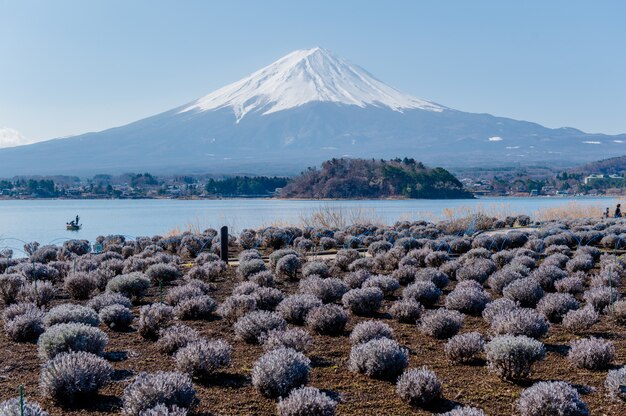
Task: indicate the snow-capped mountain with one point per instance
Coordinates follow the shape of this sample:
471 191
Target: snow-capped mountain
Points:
306 76
306 107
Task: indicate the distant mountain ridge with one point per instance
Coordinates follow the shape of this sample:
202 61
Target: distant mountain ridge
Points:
307 107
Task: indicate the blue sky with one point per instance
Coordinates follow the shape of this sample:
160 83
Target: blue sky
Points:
68 67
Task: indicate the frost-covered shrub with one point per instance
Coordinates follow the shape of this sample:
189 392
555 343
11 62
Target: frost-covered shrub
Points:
431 274
601 297
551 398
162 410
40 293
378 358
327 319
288 266
249 267
70 375
344 257
464 348
326 290
419 386
198 307
526 291
116 317
441 323
425 293
615 384
131 285
547 275
520 321
306 401
14 407
406 311
295 338
10 285
618 310
279 371
278 254
555 305
405 274
71 337
294 308
175 337
580 263
318 268
363 301
161 388
464 411
179 293
203 358
23 322
591 353
152 318
450 268
379 247
163 273
68 312
80 285
387 284
468 297
500 279
267 298
234 307
368 330
557 258
511 357
249 255
103 300
571 284
577 321
355 280
263 279
365 263
253 326
478 269
436 258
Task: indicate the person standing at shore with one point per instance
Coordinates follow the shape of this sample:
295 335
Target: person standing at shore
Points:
618 211
606 213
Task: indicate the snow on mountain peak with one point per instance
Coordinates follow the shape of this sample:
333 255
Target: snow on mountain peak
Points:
305 76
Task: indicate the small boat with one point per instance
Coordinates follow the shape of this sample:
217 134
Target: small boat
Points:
73 227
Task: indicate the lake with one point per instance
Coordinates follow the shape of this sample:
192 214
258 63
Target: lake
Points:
44 220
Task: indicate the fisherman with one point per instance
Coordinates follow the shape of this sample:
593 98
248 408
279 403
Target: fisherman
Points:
77 218
618 211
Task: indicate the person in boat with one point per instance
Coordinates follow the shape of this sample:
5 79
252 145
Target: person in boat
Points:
77 218
618 211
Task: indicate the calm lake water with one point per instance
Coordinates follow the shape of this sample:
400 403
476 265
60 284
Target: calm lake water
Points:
44 220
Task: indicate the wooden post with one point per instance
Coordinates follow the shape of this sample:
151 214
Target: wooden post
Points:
224 243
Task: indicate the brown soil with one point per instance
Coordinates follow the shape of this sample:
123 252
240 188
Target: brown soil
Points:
230 392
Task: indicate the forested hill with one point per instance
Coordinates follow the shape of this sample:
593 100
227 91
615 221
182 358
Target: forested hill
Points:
614 165
370 178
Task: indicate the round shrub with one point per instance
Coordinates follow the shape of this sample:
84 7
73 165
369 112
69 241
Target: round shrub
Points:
368 330
234 307
152 318
497 307
615 384
600 297
318 268
107 299
423 292
527 292
327 290
378 358
306 401
327 320
131 285
203 358
175 337
468 297
199 307
67 312
555 305
253 326
464 348
23 322
547 275
263 279
571 284
406 311
40 293
13 407
431 274
248 268
500 279
161 388
294 308
72 375
478 269
419 387
162 410
116 317
405 274
163 273
364 301
520 321
580 320
465 411
10 285
386 284
295 338
591 353
355 280
279 371
511 357
441 323
551 398
288 266
71 337
80 285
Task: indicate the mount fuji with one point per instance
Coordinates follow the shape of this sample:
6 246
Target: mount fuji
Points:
306 107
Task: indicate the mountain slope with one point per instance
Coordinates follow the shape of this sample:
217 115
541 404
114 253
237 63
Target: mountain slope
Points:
305 108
